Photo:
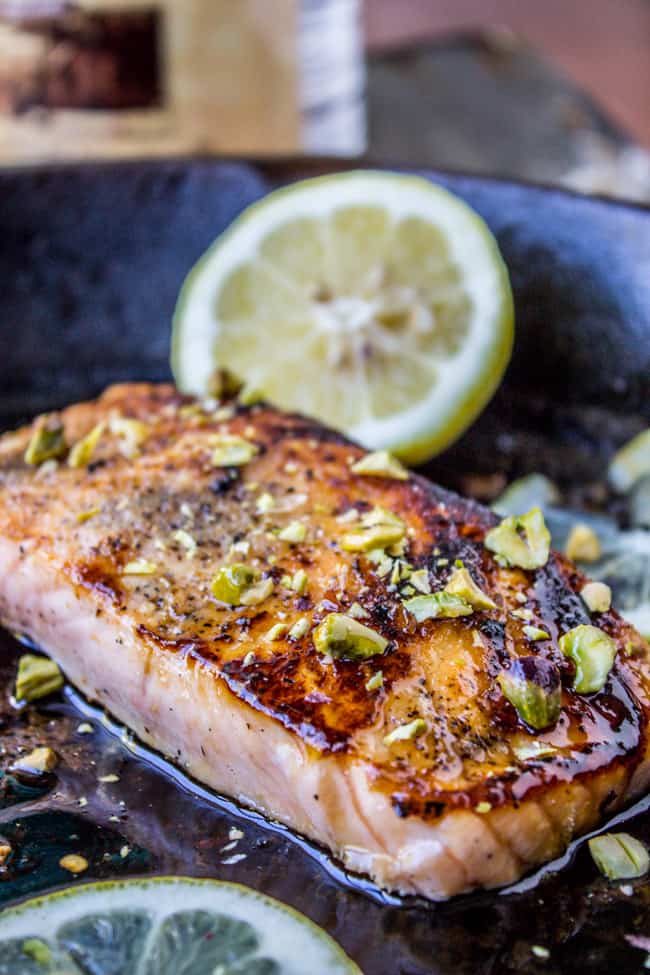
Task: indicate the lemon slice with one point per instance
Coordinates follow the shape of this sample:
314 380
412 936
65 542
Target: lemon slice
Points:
164 926
375 302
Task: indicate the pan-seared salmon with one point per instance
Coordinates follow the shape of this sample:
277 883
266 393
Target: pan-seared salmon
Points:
348 648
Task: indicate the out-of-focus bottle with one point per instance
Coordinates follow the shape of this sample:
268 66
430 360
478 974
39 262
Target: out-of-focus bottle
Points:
124 78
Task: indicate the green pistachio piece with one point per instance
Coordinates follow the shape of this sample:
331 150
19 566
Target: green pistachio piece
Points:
357 612
523 541
294 533
47 443
132 432
232 451
85 516
240 585
378 530
593 653
380 464
345 638
139 567
437 605
186 540
277 631
375 682
461 584
37 677
583 544
420 580
299 581
265 503
81 453
631 463
39 760
619 856
532 685
597 597
299 628
534 633
249 395
406 732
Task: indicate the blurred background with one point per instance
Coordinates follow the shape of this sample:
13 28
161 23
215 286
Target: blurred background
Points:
557 92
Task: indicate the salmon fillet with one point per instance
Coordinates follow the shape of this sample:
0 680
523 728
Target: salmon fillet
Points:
407 762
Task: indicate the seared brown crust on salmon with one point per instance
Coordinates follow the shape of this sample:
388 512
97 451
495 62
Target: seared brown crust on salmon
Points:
109 566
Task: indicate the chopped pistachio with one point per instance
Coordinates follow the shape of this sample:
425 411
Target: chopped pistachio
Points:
85 516
437 605
375 682
239 548
357 612
265 503
534 633
249 395
81 453
532 685
257 593
345 638
232 451
41 759
382 561
521 597
406 732
583 544
293 533
523 541
442 562
37 677
593 653
37 950
240 585
108 779
482 808
47 443
85 728
248 659
277 631
461 584
420 580
619 856
371 537
299 629
597 597
299 581
73 863
522 614
186 540
381 516
533 749
132 432
540 951
348 517
139 567
631 463
380 464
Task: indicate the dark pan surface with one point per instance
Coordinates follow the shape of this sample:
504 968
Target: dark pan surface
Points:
91 260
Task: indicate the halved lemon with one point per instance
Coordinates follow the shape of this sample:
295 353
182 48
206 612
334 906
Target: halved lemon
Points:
164 926
376 302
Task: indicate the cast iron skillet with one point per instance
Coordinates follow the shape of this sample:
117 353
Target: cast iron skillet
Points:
91 260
